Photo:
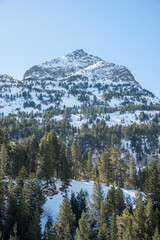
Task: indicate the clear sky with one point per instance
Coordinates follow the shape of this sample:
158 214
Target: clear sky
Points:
125 32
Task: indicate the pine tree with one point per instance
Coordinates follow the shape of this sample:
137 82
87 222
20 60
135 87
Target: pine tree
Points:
63 161
1 137
111 202
17 156
78 204
114 230
48 232
153 185
44 170
133 178
2 202
103 232
118 167
34 230
77 161
104 166
156 235
97 198
120 203
65 221
89 167
22 175
151 220
139 219
129 204
83 229
75 207
11 210
5 162
144 178
32 146
124 224
54 152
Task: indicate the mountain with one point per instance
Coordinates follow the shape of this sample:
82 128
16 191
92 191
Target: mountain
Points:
77 81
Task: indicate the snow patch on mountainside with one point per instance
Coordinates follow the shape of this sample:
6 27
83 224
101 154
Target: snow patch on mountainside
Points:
52 205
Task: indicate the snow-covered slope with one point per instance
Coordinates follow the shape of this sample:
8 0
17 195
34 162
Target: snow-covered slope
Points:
51 207
76 80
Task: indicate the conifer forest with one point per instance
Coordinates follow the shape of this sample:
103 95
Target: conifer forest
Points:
31 165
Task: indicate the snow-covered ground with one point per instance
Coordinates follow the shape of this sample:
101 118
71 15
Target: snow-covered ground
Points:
52 205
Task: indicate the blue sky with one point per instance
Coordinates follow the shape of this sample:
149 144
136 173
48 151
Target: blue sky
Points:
125 32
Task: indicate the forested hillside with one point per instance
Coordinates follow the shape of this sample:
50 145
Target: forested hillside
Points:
28 175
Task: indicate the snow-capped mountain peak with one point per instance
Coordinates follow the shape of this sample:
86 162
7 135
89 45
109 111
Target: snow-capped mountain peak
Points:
76 80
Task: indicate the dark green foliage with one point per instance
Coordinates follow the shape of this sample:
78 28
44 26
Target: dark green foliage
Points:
156 235
103 232
78 204
48 232
78 164
97 198
22 200
5 161
151 220
104 166
153 185
114 229
120 204
133 178
125 225
139 219
89 167
83 229
65 225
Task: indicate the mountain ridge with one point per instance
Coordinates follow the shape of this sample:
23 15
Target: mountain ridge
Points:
75 81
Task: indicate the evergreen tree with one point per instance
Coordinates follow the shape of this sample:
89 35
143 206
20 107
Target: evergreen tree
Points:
151 220
44 161
153 185
156 235
54 152
104 166
111 202
5 162
118 167
78 165
103 232
22 175
48 232
32 147
144 178
2 202
89 167
97 198
78 204
129 204
139 219
133 178
124 225
65 221
114 230
120 204
11 210
34 230
83 229
63 161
